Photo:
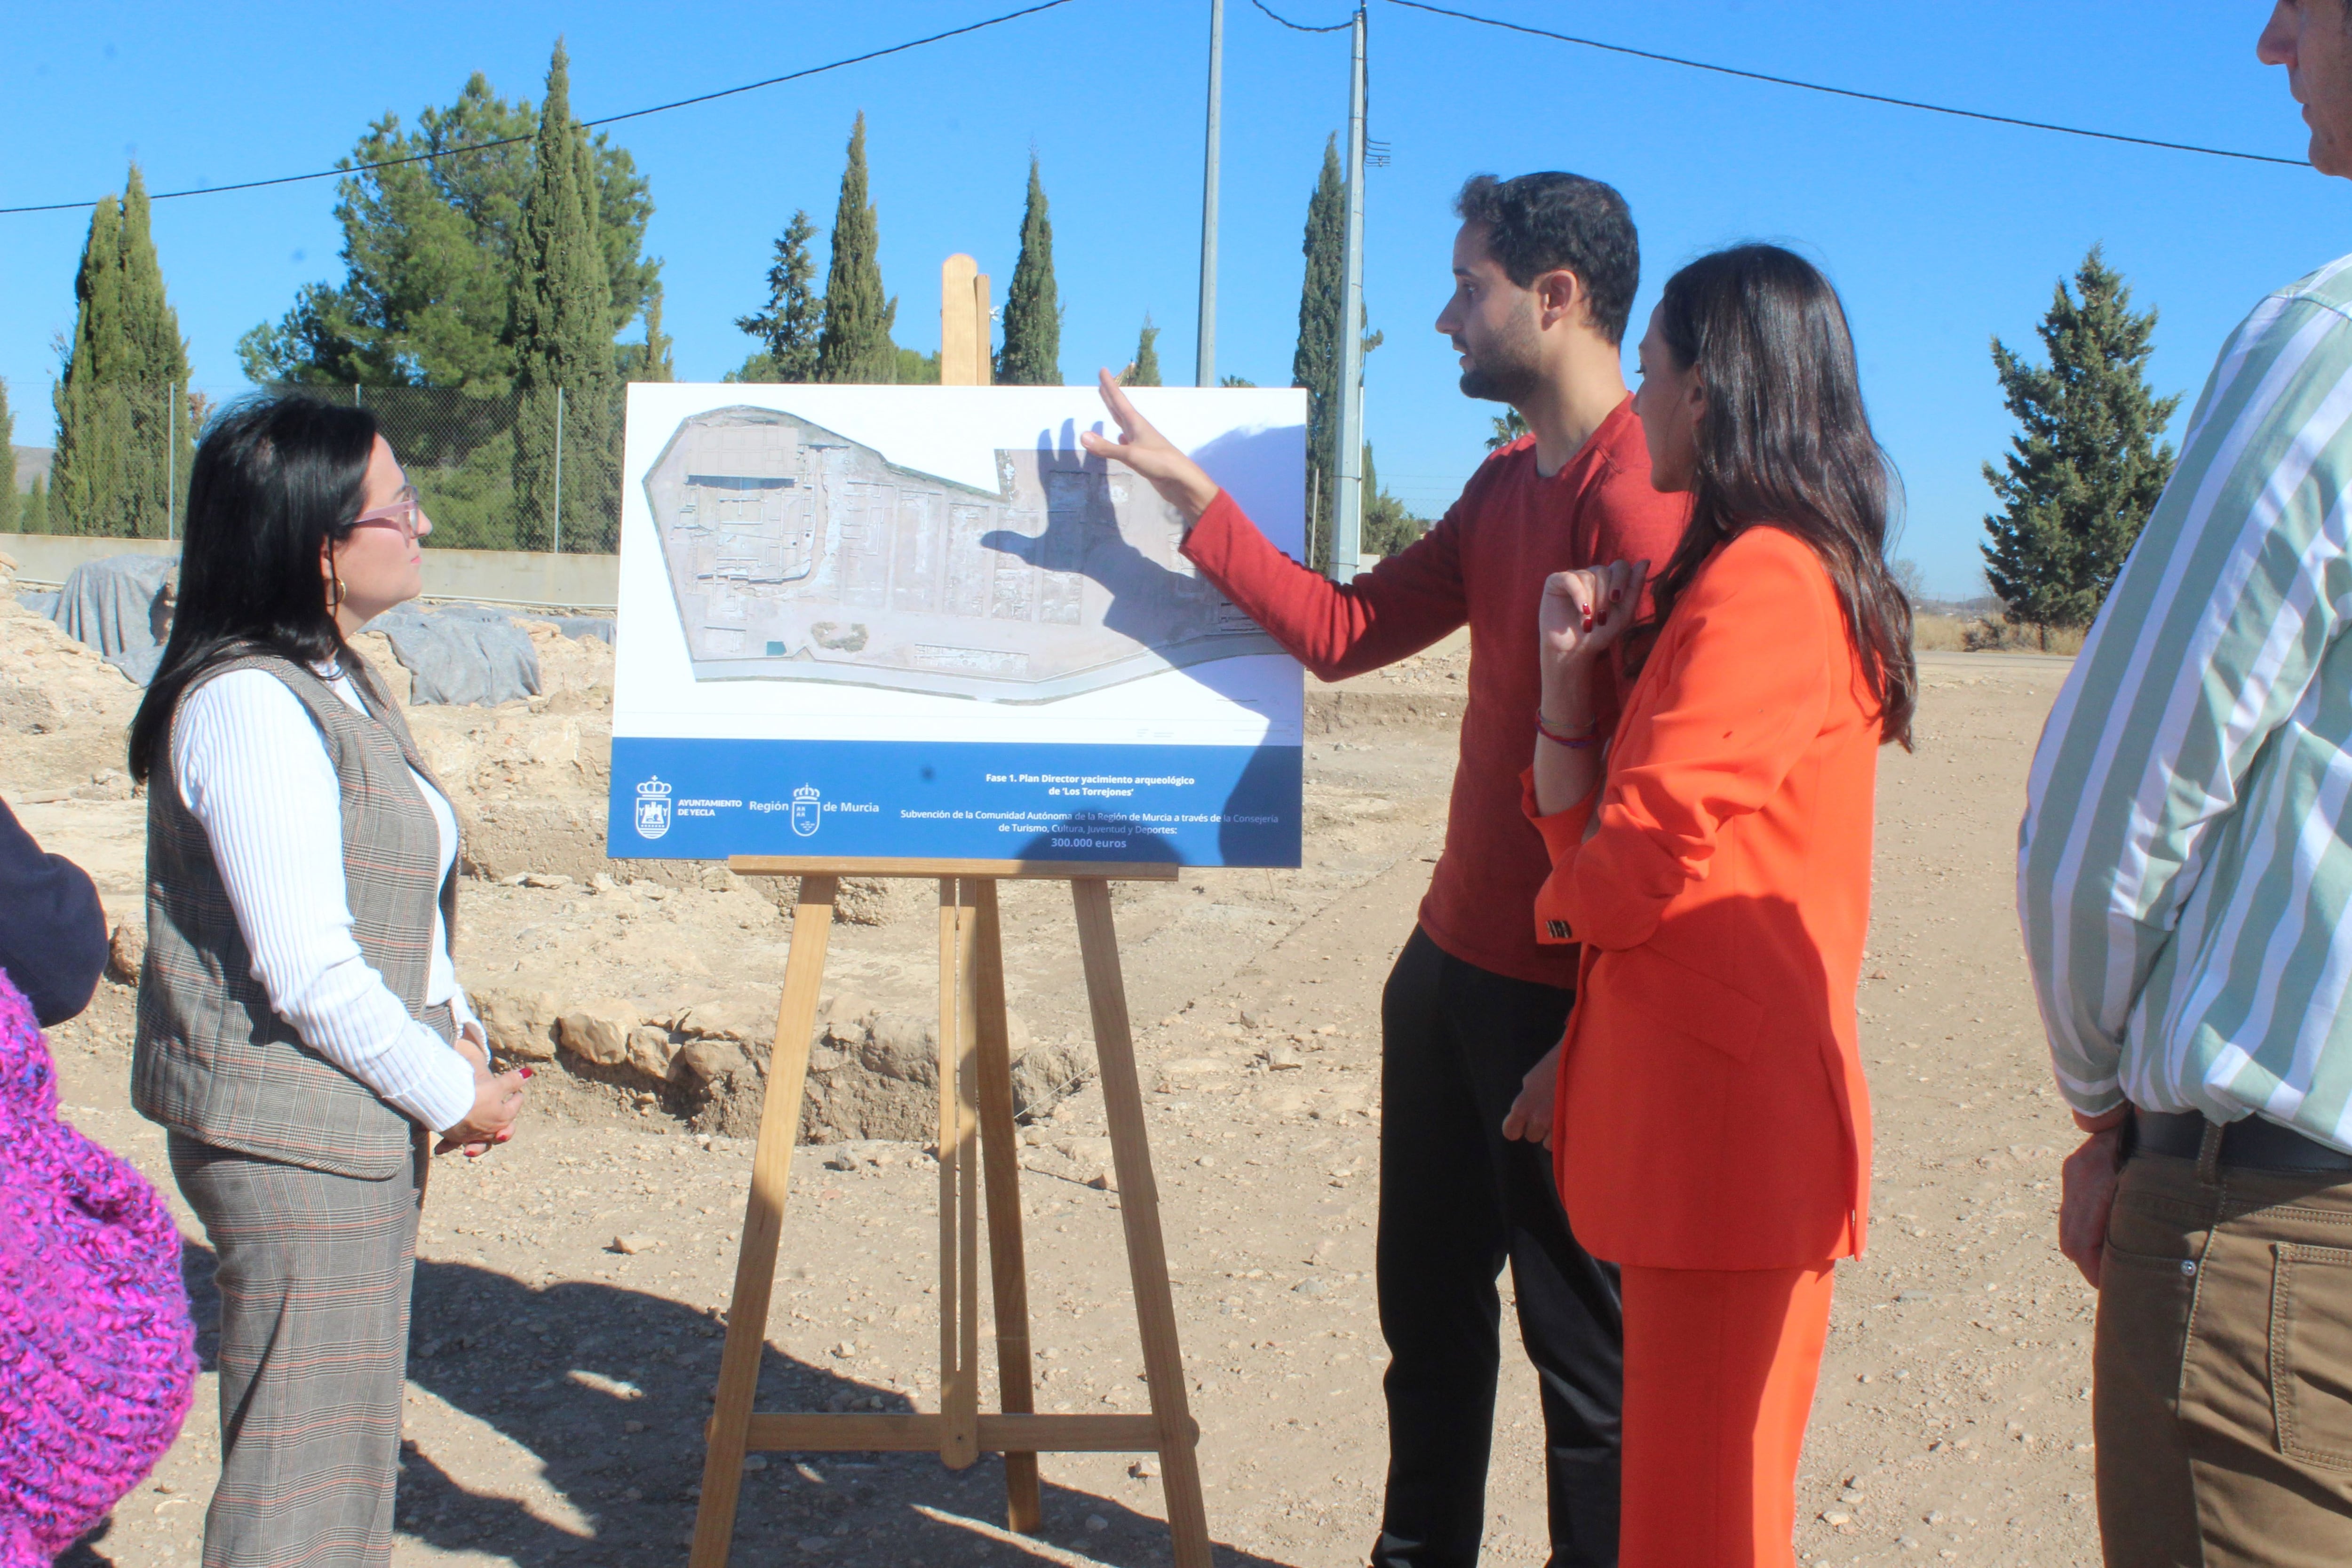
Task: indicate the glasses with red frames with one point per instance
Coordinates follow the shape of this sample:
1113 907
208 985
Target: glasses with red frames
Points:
401 514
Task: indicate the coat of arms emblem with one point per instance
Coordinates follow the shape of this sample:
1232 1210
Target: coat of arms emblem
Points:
807 810
653 809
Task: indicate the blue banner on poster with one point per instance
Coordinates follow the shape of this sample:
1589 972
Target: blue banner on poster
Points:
1193 805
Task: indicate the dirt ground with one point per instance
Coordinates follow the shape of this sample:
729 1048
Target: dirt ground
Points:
558 1383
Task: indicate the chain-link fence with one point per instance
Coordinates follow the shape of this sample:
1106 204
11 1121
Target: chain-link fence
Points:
509 471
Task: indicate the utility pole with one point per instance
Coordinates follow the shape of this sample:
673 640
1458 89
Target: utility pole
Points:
1347 462
1205 360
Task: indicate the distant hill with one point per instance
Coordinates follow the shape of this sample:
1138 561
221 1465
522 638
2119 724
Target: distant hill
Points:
32 460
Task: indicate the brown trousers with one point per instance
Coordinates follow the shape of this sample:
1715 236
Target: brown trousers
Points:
2222 1367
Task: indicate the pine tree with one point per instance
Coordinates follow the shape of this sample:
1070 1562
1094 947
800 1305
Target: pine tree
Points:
428 249
121 464
560 328
2081 478
1031 355
1143 370
855 344
7 464
790 324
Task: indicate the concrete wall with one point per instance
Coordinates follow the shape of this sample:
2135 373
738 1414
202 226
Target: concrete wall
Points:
487 576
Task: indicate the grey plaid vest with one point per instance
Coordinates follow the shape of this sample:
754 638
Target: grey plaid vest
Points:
213 1060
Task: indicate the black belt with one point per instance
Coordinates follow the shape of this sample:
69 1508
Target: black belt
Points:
2249 1143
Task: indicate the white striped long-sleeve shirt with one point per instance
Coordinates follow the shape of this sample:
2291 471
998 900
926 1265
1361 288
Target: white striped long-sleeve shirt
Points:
2185 864
252 768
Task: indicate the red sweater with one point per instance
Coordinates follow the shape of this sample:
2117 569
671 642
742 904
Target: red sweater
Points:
1484 564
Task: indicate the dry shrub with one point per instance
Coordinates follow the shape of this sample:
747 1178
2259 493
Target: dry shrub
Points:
1942 633
1985 635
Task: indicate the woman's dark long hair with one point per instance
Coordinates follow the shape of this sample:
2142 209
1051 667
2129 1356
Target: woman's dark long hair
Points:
275 478
1785 441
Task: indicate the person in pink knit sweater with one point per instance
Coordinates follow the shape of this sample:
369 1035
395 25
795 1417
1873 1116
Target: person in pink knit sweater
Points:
98 1354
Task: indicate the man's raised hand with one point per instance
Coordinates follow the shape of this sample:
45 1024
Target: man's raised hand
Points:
1179 479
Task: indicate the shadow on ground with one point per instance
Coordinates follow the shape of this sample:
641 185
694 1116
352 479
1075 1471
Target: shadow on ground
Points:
608 1387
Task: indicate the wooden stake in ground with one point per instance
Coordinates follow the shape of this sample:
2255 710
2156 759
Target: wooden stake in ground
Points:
976 1148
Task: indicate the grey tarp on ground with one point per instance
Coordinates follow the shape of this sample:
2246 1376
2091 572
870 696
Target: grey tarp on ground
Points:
461 653
40 601
116 606
579 625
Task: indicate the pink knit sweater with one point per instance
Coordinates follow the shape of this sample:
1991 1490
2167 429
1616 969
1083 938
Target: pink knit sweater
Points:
96 1352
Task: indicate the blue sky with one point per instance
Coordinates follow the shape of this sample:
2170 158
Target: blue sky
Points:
1940 233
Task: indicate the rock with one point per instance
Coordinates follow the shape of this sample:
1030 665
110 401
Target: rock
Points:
1144 1469
879 901
1085 1150
520 1024
904 1046
126 950
712 1061
746 1014
1045 1074
1311 1288
651 1050
542 879
26 711
1285 1058
633 1244
598 1030
1104 1181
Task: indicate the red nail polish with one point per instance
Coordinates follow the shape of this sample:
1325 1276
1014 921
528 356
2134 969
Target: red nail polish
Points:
526 1072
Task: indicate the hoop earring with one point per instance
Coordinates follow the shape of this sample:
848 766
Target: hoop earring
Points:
335 597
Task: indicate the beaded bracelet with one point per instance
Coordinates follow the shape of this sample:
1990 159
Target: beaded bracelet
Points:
1591 733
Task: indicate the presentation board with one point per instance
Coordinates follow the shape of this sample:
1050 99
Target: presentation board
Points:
922 621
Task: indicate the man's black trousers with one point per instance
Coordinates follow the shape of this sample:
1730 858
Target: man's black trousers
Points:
1456 1200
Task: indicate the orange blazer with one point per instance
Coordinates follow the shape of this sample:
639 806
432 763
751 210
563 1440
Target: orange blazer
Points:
1712 1109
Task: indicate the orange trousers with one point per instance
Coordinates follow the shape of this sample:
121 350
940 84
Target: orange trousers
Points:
1719 1374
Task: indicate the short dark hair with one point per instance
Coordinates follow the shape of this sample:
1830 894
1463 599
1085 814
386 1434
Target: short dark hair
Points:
1554 222
275 478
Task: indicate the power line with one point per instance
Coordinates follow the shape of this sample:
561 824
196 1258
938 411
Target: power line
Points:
1835 91
1300 26
607 120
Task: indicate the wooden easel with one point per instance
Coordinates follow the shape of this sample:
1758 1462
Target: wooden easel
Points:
975 1096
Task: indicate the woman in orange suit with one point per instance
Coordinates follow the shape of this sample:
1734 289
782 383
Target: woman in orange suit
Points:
1712 858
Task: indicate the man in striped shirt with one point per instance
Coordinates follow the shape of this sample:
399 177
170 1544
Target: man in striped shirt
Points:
2185 884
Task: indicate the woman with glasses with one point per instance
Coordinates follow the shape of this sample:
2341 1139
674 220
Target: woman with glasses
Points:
301 1035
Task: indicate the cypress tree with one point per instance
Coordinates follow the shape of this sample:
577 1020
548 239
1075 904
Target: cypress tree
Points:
560 326
7 464
2085 471
122 451
790 325
1143 370
33 515
1031 355
1316 366
855 346
650 360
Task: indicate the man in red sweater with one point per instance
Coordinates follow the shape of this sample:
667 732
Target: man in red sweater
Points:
1544 274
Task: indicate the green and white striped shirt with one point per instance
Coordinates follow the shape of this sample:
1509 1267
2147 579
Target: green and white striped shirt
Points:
2185 863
